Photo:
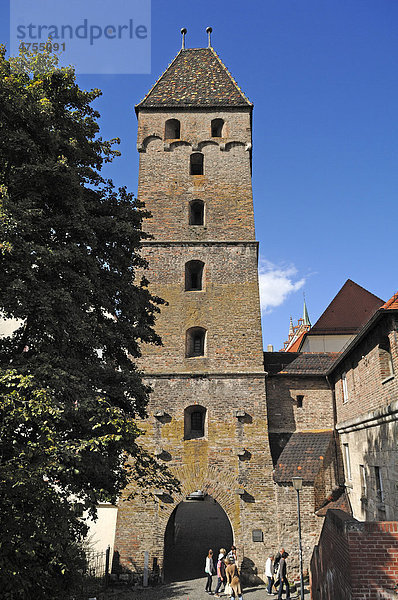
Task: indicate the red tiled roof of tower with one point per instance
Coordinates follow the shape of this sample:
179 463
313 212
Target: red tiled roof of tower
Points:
392 303
195 78
349 310
303 456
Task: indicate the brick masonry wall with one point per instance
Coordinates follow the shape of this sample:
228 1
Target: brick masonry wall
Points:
354 560
230 375
210 463
287 525
368 389
368 423
330 573
227 307
166 186
283 413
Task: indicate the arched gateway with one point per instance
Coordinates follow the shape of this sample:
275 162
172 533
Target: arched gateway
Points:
207 410
194 526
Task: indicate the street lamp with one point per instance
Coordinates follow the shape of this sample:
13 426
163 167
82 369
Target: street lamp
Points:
298 485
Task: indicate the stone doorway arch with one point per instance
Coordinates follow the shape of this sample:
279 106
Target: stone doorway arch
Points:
194 526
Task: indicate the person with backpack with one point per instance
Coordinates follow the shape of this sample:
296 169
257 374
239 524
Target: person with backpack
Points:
233 580
276 567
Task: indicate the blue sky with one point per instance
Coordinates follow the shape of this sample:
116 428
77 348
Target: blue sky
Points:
322 75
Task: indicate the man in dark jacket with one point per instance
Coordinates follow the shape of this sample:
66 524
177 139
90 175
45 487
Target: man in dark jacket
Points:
283 577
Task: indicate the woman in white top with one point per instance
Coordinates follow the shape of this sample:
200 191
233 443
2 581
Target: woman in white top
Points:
269 573
209 570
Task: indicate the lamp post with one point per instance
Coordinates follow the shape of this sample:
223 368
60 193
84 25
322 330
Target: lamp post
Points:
298 485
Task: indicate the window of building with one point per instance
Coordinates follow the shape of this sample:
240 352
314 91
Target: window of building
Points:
195 342
385 359
193 275
300 401
364 487
172 129
347 462
217 127
196 212
194 422
196 163
379 485
345 388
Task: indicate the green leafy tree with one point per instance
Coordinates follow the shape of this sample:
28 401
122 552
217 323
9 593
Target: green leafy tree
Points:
69 272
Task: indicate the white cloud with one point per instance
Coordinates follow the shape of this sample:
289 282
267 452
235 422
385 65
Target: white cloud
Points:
276 283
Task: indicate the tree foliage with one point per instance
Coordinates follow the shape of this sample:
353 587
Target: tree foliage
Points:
69 265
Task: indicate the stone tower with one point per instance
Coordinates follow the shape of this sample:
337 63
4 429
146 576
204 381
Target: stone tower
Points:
208 416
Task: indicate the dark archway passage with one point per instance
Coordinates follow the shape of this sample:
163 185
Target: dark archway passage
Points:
193 528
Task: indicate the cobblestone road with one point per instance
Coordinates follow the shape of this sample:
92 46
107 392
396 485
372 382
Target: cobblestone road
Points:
184 590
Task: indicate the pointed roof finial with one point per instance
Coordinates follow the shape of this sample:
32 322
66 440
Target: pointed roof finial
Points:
183 32
306 318
208 31
291 329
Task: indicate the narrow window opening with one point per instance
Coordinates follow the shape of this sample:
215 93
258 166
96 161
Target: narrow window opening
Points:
194 422
379 485
345 388
196 212
217 127
385 359
172 129
196 163
300 401
195 342
197 421
193 275
347 461
364 488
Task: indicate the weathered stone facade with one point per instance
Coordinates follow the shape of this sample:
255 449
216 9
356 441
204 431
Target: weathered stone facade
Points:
367 418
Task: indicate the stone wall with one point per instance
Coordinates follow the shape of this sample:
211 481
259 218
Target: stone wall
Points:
227 307
355 560
368 387
241 484
367 423
166 186
284 414
230 461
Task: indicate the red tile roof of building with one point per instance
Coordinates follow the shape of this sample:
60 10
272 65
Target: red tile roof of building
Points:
392 303
310 363
195 78
349 310
303 456
296 344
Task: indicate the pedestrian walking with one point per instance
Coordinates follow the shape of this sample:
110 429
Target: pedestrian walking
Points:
233 579
209 570
269 573
283 577
221 575
276 567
